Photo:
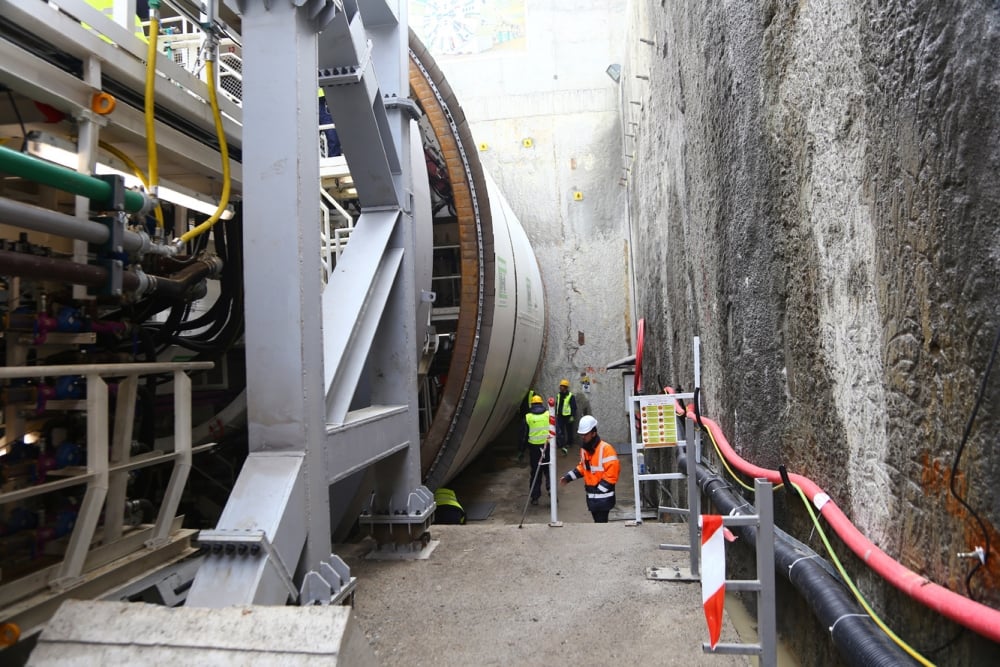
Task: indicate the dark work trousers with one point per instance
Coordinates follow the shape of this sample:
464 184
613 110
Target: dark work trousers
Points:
535 455
565 432
600 517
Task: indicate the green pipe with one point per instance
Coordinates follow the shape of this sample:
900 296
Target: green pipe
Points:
41 171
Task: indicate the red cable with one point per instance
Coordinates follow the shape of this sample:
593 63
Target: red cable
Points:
640 338
960 609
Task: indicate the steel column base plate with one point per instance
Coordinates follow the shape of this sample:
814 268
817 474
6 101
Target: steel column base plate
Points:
388 553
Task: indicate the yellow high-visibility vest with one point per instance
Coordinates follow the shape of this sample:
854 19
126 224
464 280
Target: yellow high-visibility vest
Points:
538 427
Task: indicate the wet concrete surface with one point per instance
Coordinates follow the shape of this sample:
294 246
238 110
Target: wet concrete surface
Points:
491 593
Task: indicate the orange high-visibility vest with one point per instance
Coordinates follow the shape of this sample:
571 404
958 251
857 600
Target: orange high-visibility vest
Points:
600 474
601 465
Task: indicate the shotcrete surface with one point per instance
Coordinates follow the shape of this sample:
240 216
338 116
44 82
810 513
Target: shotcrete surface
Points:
495 594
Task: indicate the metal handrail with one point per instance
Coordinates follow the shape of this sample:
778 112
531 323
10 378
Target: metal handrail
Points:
108 466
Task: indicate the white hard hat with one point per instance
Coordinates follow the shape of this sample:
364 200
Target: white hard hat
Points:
587 424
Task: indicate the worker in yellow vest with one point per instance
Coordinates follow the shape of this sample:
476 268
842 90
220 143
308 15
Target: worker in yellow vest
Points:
449 510
565 417
535 435
525 409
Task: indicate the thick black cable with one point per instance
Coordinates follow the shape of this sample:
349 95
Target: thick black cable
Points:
697 407
232 325
958 458
856 636
221 304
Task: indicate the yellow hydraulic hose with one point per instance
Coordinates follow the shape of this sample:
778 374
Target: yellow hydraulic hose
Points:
223 149
149 98
130 163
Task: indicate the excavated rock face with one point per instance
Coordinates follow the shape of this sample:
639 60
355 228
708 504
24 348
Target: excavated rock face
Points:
815 193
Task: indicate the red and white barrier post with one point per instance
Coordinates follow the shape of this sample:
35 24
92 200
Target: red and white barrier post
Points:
553 475
713 573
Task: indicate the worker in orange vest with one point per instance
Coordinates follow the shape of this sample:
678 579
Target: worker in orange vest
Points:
599 469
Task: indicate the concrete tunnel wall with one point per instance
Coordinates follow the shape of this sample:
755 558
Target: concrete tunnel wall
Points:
550 87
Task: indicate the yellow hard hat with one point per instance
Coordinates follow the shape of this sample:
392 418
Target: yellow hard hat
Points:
536 399
564 383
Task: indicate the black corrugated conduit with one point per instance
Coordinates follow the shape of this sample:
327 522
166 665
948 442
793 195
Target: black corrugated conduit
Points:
857 638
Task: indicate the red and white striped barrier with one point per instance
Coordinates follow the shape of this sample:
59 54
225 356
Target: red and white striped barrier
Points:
713 573
553 476
552 419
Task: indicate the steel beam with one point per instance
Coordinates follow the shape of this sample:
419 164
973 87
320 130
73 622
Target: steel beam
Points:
121 444
354 313
269 499
366 436
282 489
309 348
348 79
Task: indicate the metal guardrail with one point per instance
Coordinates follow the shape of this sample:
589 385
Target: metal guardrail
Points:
108 463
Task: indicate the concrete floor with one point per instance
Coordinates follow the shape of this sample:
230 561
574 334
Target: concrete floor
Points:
493 594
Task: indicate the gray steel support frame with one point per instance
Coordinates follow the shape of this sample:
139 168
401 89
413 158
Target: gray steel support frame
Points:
326 366
380 142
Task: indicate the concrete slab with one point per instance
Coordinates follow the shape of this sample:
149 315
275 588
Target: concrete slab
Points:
129 633
494 594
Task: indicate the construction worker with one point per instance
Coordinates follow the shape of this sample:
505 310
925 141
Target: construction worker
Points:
522 444
449 510
329 140
535 435
565 416
599 469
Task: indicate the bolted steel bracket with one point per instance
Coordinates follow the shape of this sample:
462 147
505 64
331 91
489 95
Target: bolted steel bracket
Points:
246 544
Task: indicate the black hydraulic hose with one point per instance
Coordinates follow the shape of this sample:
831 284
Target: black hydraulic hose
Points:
166 331
212 344
857 638
213 315
179 286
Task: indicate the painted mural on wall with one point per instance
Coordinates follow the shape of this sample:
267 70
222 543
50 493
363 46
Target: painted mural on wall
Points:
467 27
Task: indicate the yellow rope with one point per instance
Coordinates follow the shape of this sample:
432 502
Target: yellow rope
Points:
857 594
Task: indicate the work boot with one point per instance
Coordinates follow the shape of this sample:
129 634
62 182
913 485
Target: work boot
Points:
564 450
534 501
520 457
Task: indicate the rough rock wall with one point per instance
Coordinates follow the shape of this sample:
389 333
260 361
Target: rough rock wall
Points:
814 193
